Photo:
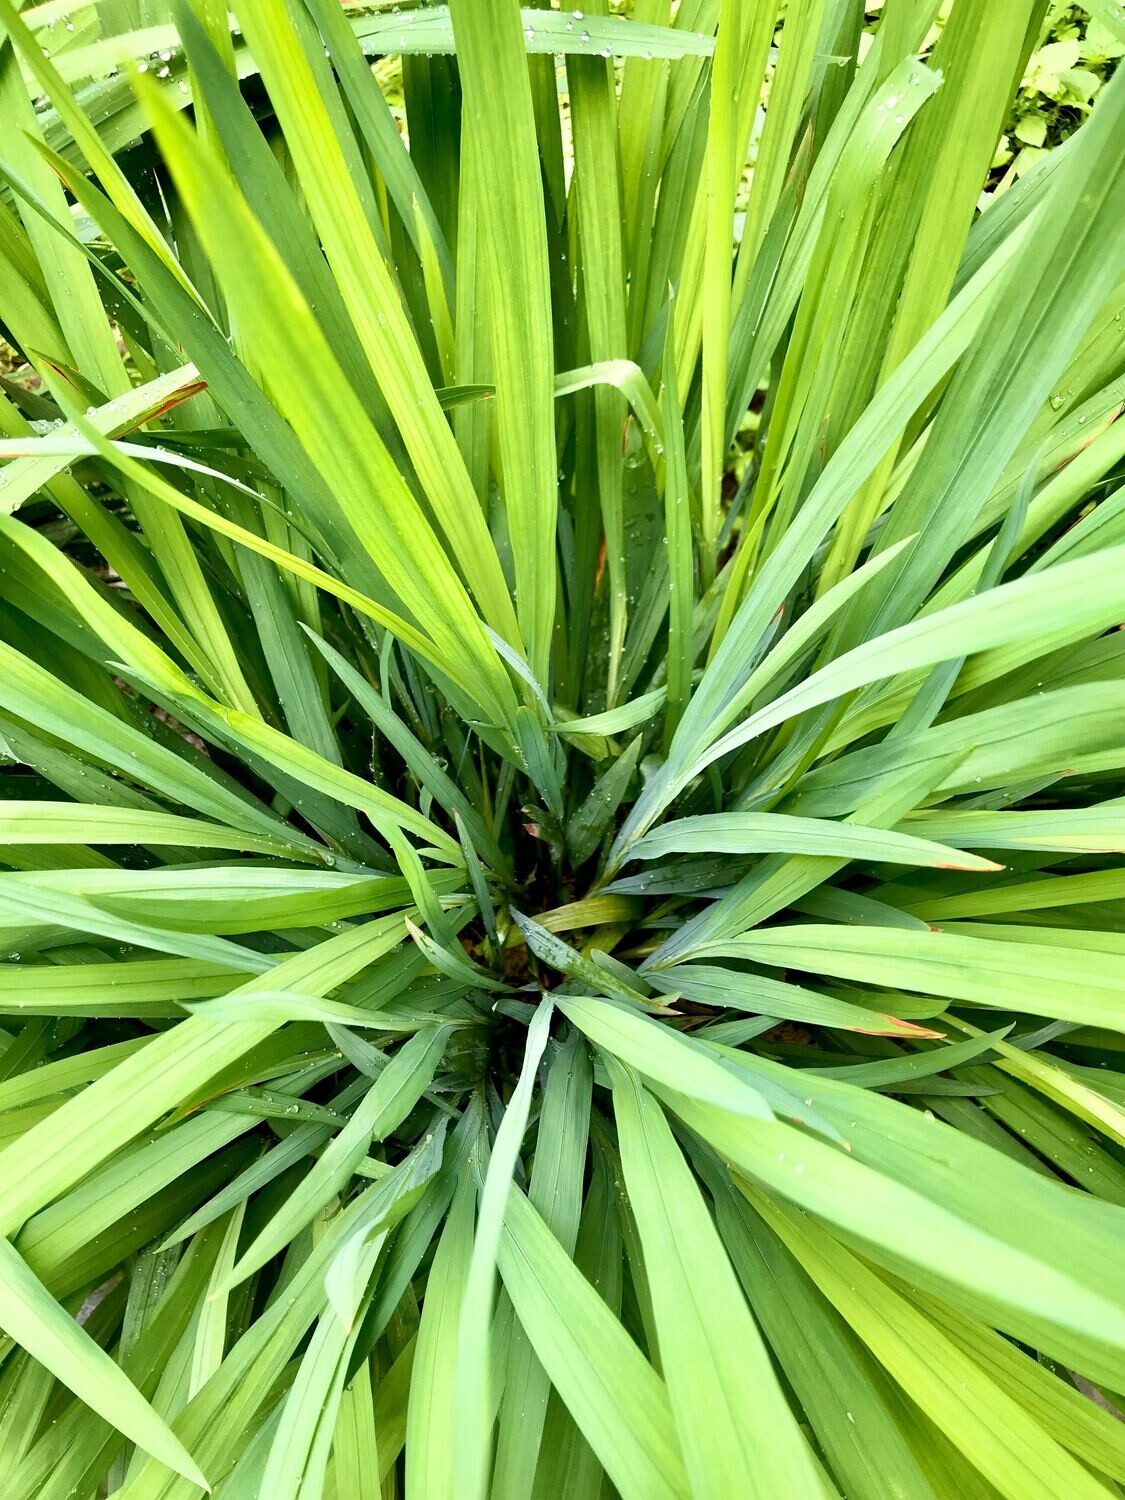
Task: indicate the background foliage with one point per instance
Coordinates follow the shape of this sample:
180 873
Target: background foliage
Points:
561 815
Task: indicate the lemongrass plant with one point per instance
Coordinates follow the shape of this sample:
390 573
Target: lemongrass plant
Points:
539 965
